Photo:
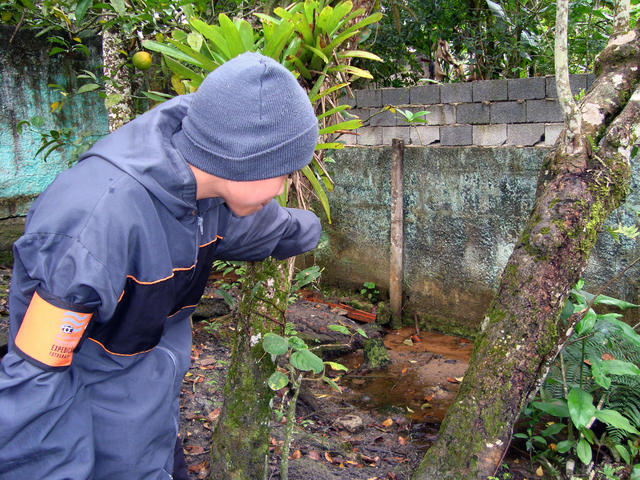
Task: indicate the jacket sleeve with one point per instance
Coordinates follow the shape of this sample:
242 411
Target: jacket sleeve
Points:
46 422
273 231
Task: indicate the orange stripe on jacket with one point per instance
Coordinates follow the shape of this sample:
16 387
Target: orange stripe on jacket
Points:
49 334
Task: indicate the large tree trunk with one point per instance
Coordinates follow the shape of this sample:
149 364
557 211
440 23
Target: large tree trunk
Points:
583 179
120 78
241 437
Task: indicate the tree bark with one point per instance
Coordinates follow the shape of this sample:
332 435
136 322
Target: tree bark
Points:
241 437
521 333
119 78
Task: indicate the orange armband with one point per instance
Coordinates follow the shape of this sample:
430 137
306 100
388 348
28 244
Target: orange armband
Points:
49 334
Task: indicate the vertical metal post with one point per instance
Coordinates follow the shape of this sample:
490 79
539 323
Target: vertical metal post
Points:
397 230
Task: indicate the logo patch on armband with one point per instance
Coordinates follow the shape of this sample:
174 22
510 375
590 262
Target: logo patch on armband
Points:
49 334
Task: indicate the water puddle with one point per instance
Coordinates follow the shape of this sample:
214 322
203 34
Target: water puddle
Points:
421 381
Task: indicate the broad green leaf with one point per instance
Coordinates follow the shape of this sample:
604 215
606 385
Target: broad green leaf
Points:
317 52
246 34
229 300
359 54
119 7
635 473
337 366
553 429
206 62
496 9
362 332
332 111
332 384
585 325
184 72
170 51
317 97
615 419
305 360
581 409
213 33
195 39
624 453
297 343
340 329
626 331
556 408
317 187
88 87
234 41
583 449
599 375
324 18
157 96
565 445
277 381
329 146
274 344
619 367
358 72
346 125
81 9
276 43
621 304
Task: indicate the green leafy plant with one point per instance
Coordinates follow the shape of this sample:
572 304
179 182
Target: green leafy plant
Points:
595 378
370 292
297 360
313 39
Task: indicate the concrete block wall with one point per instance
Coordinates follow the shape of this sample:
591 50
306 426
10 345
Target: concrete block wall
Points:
488 113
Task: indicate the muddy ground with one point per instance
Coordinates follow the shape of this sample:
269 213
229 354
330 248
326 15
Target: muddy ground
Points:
378 428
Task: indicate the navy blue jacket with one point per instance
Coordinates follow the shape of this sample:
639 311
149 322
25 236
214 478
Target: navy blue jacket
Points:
117 251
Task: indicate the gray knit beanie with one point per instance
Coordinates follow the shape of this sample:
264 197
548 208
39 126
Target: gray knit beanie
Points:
248 120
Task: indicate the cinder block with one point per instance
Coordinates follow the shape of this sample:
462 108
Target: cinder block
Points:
544 111
576 82
395 96
526 88
389 133
424 95
456 135
590 79
347 100
552 132
508 112
525 134
487 135
350 138
368 98
370 136
438 114
491 90
456 93
473 113
382 119
424 135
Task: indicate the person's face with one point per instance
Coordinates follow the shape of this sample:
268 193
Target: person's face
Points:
245 198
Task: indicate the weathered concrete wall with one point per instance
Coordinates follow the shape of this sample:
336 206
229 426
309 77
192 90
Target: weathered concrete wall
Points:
464 210
26 70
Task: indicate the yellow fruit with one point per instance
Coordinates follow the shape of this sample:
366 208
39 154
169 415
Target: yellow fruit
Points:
141 60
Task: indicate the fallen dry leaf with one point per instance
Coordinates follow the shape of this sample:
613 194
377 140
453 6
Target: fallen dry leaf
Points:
540 472
453 380
404 370
607 356
199 467
193 449
387 423
215 413
314 455
428 398
296 454
402 440
328 457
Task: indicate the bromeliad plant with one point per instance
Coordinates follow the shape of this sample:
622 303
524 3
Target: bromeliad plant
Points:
312 39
